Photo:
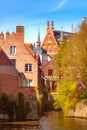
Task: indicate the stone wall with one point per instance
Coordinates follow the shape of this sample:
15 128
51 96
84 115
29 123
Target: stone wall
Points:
80 109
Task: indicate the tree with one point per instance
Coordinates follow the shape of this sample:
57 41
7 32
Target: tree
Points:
18 108
22 107
74 56
71 67
7 105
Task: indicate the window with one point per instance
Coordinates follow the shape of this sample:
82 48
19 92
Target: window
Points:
50 72
28 67
12 50
54 49
49 39
49 49
28 83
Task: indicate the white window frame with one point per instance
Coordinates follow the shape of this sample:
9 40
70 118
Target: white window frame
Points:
28 67
28 83
12 50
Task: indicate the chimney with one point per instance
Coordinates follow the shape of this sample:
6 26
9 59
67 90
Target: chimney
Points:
48 26
20 34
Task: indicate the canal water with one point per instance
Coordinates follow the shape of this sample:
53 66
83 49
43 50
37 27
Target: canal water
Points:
52 121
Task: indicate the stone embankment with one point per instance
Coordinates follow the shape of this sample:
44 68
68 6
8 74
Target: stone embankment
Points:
80 109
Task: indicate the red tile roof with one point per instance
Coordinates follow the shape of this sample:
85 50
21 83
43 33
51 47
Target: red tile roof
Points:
4 60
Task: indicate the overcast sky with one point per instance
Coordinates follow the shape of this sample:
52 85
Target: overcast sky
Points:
33 15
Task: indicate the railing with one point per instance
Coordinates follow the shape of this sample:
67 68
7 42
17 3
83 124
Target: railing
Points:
50 78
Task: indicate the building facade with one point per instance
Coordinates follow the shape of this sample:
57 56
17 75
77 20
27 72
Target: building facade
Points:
24 60
9 76
30 63
53 39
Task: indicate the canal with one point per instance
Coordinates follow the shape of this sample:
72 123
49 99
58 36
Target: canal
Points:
51 121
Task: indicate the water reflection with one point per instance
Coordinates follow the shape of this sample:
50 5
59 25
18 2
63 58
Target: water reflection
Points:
55 121
52 121
12 127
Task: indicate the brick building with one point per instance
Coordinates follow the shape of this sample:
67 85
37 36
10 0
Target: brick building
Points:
47 68
53 39
9 76
24 61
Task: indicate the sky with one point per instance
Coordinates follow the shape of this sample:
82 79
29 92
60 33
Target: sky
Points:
33 15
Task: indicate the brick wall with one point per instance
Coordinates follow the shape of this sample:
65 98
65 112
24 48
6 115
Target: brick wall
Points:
50 41
10 81
23 55
46 67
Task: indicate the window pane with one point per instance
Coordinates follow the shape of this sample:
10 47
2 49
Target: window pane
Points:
31 83
28 67
12 50
50 72
28 83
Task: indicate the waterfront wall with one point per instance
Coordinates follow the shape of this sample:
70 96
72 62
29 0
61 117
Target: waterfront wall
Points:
33 113
80 109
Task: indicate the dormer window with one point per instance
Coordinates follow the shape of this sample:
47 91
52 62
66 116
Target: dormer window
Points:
12 50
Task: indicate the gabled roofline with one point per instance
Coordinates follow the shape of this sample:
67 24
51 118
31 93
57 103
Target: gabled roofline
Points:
47 63
1 49
32 53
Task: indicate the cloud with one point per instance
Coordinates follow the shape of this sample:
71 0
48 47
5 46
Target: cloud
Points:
60 5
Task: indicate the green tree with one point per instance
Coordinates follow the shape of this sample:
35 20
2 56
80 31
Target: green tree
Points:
7 105
74 56
11 109
4 102
71 67
22 107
